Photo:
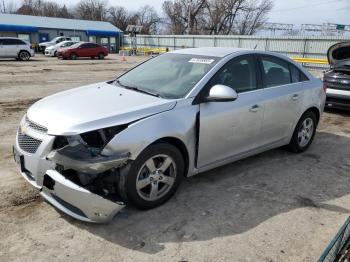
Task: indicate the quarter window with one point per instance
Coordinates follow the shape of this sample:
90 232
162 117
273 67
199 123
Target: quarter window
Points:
275 71
296 74
239 74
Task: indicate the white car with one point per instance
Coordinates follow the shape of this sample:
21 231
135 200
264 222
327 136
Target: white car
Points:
52 50
11 47
56 40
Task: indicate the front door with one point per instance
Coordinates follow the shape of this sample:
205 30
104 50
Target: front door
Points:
229 129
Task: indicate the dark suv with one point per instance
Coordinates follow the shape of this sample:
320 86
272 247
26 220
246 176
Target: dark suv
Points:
337 79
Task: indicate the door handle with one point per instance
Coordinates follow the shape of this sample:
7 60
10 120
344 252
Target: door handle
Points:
254 108
295 97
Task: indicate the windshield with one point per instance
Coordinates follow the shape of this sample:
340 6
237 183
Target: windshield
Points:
55 39
169 75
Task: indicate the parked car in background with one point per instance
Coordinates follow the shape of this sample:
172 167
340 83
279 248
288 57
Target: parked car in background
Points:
52 50
11 47
83 49
93 149
337 79
56 40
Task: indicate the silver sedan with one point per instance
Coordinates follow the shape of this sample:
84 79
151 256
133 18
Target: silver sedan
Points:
94 149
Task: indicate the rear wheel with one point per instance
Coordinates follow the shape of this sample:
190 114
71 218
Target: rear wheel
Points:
101 56
153 177
55 54
304 132
73 56
24 55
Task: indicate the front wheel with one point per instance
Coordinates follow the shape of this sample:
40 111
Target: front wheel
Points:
101 56
73 56
153 177
304 132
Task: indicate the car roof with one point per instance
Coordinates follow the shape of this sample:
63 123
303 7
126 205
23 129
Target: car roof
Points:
210 51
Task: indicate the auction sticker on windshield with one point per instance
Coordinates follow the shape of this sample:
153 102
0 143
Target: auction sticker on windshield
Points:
201 61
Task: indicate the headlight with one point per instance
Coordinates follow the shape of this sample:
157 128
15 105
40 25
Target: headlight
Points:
95 140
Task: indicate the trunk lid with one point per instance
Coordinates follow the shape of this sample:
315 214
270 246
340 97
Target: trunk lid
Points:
339 54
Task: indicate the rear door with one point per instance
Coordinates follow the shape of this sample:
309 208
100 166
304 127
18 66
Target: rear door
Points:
283 94
229 129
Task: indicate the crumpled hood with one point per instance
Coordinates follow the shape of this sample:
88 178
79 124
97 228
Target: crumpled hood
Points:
339 53
93 107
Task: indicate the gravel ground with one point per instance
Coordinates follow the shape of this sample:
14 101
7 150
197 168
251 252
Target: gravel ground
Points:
276 206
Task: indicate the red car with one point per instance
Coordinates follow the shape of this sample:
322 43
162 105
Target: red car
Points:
82 50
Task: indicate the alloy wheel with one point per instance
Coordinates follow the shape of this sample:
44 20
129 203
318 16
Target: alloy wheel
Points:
305 132
156 177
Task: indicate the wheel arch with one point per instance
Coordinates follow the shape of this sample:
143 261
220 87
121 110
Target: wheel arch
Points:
180 145
315 110
23 50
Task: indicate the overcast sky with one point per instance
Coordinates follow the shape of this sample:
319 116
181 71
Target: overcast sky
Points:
284 11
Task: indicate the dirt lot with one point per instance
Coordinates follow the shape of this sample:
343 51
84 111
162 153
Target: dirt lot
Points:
276 206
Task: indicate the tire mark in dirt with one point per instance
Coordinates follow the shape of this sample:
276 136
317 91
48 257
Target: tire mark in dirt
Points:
17 105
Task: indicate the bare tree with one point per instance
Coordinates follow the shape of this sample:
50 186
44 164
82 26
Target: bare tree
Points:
43 8
220 15
253 16
118 16
174 17
8 7
148 17
92 10
184 15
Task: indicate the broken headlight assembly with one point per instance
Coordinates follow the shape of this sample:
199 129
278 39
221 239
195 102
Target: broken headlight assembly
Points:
83 152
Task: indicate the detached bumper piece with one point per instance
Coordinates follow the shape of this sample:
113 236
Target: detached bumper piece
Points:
76 201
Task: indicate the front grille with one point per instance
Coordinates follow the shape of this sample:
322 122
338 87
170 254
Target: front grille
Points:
35 126
27 143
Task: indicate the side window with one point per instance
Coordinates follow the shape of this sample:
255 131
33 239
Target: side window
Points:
11 41
239 74
275 71
84 46
18 42
296 74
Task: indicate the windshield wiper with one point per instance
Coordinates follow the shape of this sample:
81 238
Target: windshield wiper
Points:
137 89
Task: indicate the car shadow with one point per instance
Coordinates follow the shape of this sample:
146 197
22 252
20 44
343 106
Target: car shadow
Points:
237 197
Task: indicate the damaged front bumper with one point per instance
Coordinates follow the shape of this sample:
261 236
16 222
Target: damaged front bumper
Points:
77 201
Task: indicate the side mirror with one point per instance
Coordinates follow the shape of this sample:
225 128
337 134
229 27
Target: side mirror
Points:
221 93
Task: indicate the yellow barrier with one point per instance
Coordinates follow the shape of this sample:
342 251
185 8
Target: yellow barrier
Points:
310 60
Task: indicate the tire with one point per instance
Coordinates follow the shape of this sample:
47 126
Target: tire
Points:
55 54
24 56
73 56
303 134
101 56
164 183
